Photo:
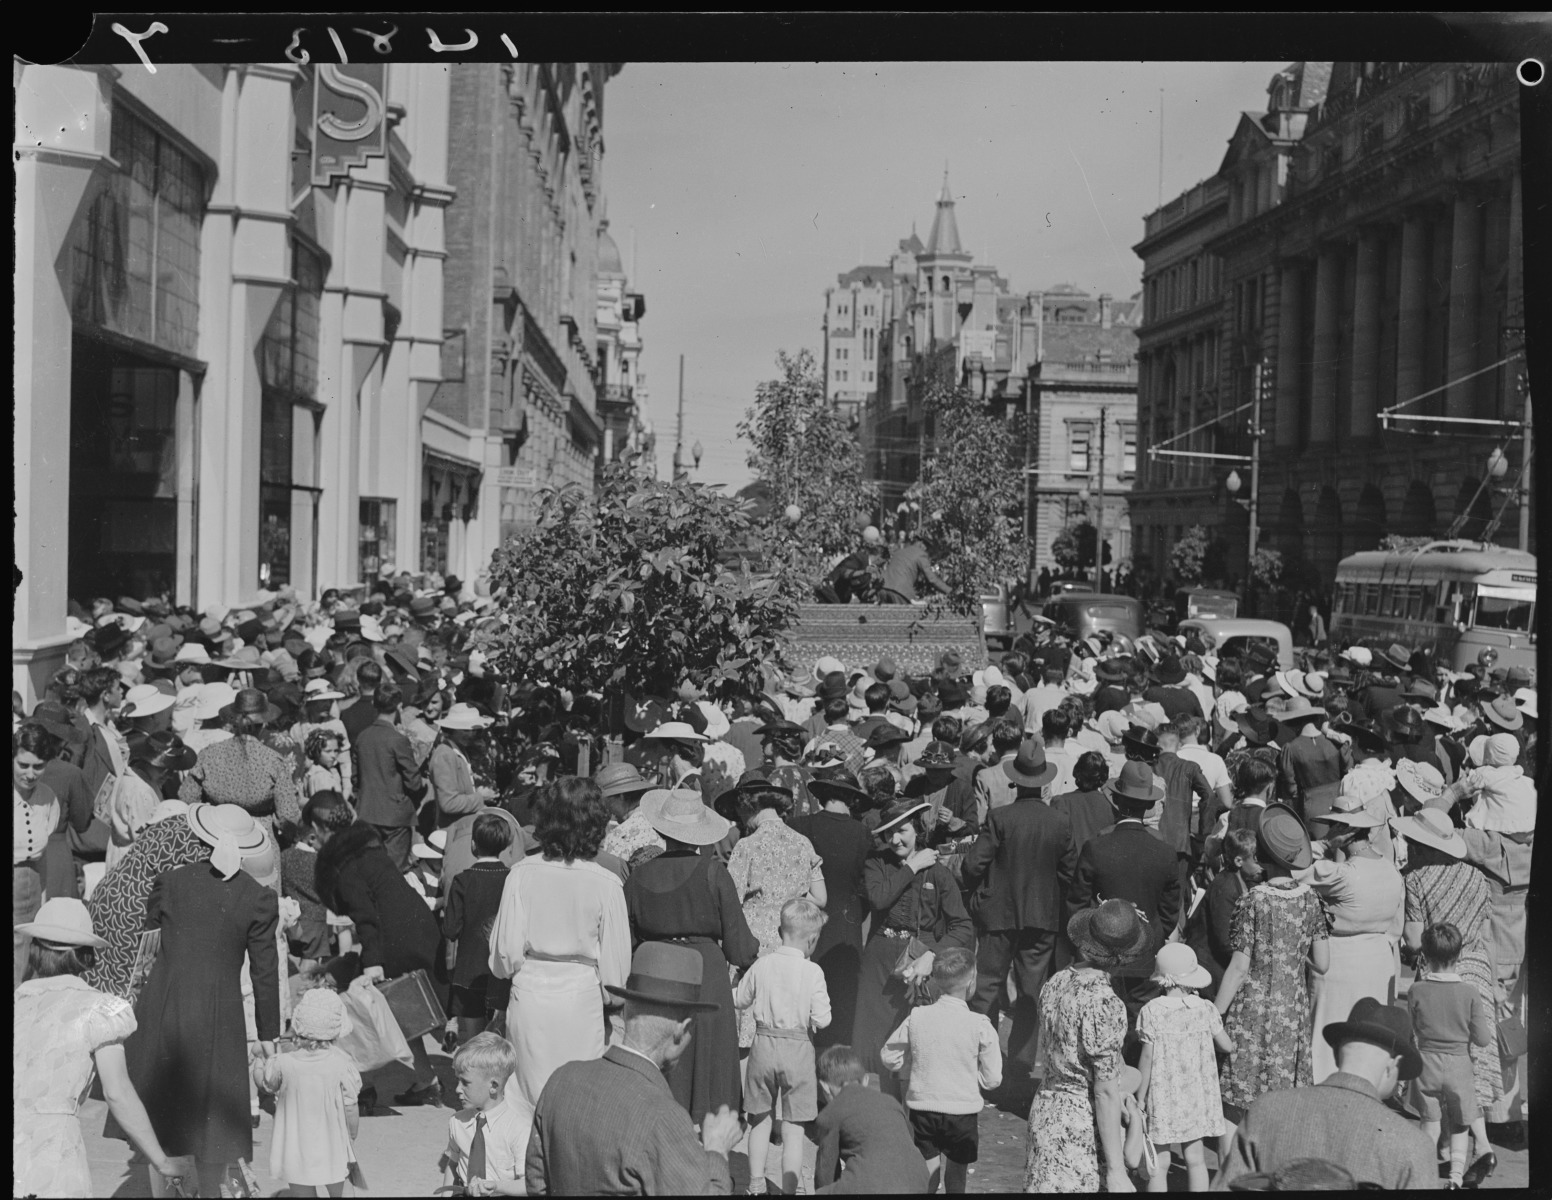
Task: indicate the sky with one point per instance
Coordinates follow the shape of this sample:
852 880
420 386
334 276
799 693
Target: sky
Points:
737 192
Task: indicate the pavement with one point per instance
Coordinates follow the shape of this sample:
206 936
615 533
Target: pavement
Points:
398 1147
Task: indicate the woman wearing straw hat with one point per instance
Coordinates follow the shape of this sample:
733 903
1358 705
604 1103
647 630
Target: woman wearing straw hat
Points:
1075 1138
685 895
189 1056
1365 899
451 776
154 760
911 895
243 770
1279 929
65 1030
1442 887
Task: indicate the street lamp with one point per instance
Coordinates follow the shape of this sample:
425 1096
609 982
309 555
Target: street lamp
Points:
1497 464
695 452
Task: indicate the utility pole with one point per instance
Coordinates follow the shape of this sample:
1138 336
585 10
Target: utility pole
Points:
1255 460
1525 465
1099 515
1028 416
679 434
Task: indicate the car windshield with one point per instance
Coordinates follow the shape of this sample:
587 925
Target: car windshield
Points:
1111 611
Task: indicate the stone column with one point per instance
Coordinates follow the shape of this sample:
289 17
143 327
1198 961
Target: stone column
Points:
1465 272
1367 294
1412 324
1290 370
1323 355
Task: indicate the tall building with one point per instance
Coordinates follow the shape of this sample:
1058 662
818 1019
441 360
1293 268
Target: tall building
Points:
854 314
621 385
229 324
523 296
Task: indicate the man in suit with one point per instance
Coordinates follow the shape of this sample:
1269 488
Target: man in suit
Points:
359 716
390 778
1383 692
1186 793
1023 864
1169 691
995 787
1130 862
609 1126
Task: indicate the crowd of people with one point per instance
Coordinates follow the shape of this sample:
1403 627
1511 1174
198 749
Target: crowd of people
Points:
1240 916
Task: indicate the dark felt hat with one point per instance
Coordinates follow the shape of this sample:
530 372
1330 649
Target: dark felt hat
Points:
55 717
251 702
1115 934
1169 672
841 786
346 620
1029 768
663 973
1403 723
1385 1025
936 756
953 693
108 640
1365 733
1282 837
887 735
756 780
250 631
164 750
1397 656
1258 726
1137 784
779 729
1142 740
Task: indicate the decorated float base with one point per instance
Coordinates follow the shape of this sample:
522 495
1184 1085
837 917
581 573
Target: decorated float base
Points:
861 634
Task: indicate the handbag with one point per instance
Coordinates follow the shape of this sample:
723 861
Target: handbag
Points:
915 950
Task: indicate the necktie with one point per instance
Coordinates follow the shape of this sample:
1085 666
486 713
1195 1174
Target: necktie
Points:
477 1150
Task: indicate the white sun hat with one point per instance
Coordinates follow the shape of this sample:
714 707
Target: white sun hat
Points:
465 716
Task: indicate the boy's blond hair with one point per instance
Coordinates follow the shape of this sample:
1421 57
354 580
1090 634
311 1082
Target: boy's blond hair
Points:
802 916
488 1054
953 968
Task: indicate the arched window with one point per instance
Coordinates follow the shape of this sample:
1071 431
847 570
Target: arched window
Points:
945 284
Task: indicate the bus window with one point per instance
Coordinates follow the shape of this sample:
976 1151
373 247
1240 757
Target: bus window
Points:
1369 599
1344 597
1503 612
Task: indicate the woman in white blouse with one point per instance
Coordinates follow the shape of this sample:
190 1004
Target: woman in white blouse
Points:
562 934
35 813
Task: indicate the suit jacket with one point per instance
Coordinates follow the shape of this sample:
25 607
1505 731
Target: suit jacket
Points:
866 1133
1183 779
1176 701
1026 858
609 1127
1311 769
1130 862
358 717
452 784
388 774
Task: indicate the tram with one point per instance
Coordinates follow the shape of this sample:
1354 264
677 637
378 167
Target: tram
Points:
1456 598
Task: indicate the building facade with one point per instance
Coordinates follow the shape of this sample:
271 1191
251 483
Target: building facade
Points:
229 322
1387 273
621 384
522 293
854 315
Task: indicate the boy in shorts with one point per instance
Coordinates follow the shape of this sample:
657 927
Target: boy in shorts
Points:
790 1002
951 1056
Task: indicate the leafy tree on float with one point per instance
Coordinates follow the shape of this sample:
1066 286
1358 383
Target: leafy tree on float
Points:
970 492
803 453
632 587
1189 554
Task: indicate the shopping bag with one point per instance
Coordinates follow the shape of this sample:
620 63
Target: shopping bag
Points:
375 1039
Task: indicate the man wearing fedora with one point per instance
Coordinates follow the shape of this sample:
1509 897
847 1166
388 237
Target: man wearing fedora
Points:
1383 691
391 780
1343 1119
610 1126
1020 868
1130 862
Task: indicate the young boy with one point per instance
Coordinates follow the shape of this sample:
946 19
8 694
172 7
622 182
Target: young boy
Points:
310 936
951 1055
790 1002
472 904
863 1131
1208 931
487 1141
1448 1018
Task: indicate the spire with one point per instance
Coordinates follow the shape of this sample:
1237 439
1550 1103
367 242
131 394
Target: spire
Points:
944 238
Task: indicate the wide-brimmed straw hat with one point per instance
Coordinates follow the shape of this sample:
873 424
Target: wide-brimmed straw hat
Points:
1115 934
1386 1025
621 779
666 974
231 830
1431 827
213 700
677 731
1282 838
146 700
1504 713
320 1015
683 816
1300 710
63 921
465 716
1422 781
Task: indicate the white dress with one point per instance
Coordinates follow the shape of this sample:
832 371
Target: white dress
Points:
561 932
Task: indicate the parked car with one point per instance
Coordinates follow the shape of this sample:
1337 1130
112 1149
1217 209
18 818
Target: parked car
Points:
1063 587
1227 637
1080 614
1205 602
997 619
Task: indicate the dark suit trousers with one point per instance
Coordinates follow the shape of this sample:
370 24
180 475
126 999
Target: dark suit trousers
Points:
397 840
1028 952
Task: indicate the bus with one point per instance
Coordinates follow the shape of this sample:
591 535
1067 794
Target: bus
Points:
1455 598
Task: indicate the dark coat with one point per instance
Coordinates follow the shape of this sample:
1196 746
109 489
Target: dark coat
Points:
866 1133
358 717
1310 773
395 929
472 904
188 1057
1089 814
1131 863
1182 779
1175 701
388 778
1023 862
843 844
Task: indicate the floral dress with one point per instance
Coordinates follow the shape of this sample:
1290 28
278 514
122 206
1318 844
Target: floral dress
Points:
1458 893
60 1023
772 865
1275 923
1082 1026
1184 1102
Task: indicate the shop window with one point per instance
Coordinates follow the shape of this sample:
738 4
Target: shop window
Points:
379 536
135 261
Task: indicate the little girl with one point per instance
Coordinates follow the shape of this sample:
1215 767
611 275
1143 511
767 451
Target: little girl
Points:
1179 1086
315 1087
323 757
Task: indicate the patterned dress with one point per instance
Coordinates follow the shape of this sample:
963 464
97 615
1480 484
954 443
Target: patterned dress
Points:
118 906
1275 923
1184 1102
60 1023
245 772
1083 1023
772 865
1459 893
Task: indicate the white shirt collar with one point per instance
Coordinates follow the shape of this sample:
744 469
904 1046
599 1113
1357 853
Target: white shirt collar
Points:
790 952
1443 976
637 1053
